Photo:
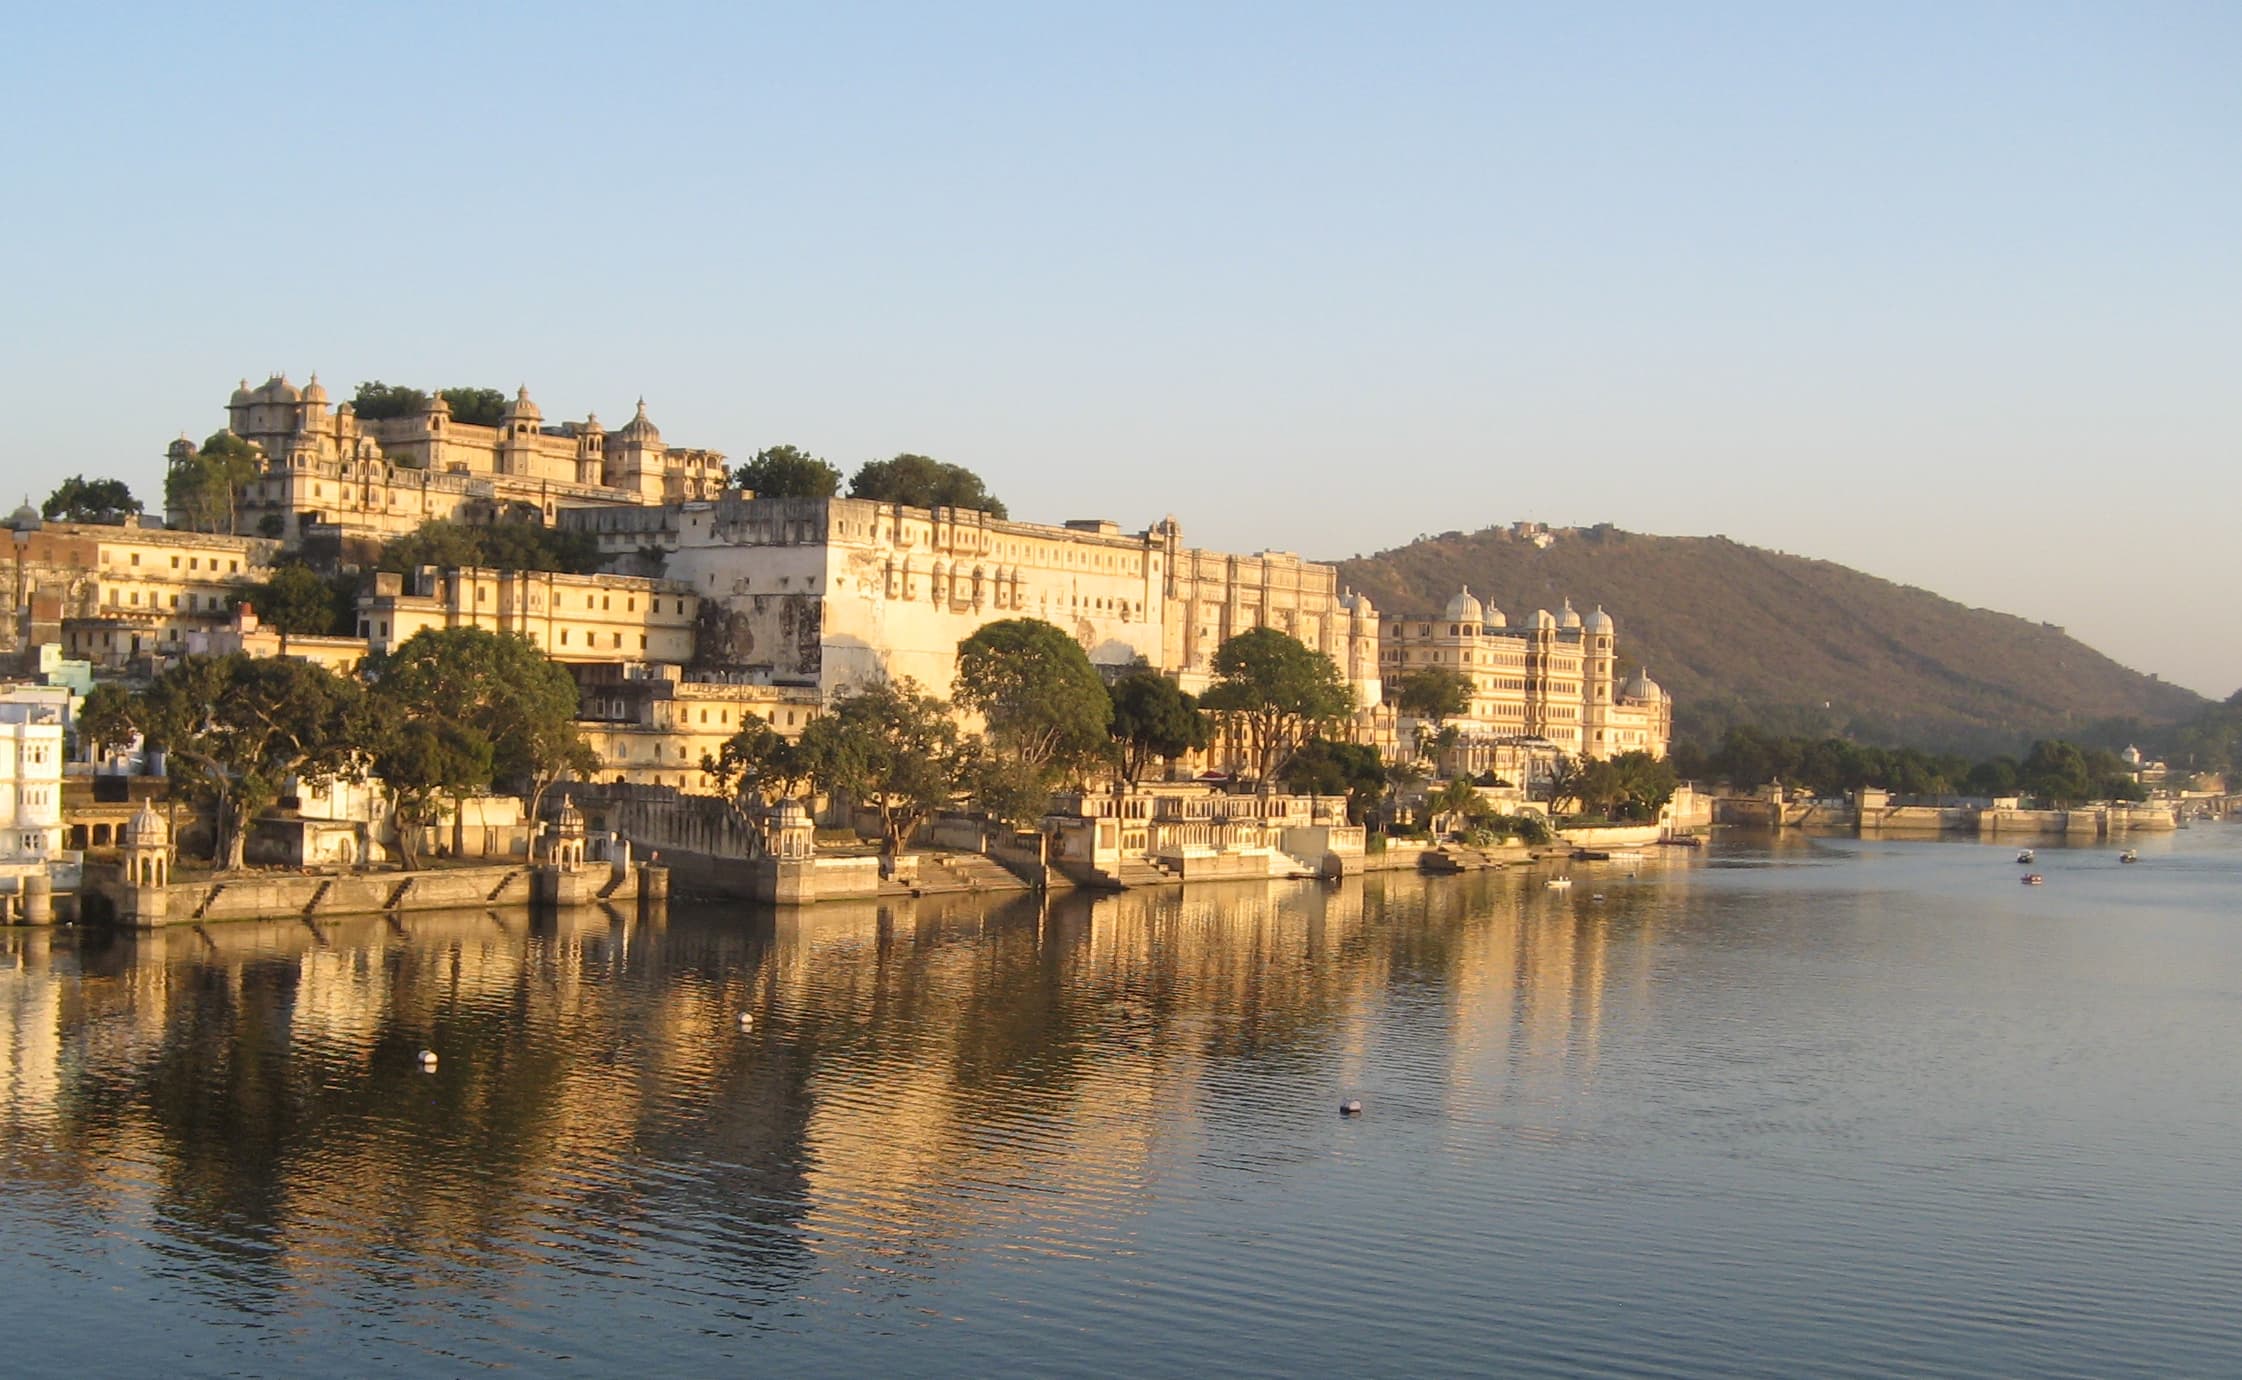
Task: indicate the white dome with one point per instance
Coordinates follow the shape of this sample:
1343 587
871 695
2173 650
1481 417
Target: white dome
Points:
1465 609
1600 622
1641 687
146 828
315 391
1568 618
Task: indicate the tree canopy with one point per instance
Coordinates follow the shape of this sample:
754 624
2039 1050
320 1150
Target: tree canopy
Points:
787 472
1433 693
1273 693
923 482
1043 701
1153 719
296 601
498 546
79 499
236 729
500 686
1354 770
756 764
376 401
891 747
2055 770
203 490
475 406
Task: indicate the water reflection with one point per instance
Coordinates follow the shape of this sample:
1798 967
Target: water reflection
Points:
943 1108
918 1075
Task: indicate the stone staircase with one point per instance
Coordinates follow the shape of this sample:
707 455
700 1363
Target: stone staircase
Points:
209 898
1146 872
965 872
319 895
503 883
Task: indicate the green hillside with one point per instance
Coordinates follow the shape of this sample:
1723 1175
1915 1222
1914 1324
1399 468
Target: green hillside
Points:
1740 634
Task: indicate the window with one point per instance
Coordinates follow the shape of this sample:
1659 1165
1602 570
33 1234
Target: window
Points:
174 562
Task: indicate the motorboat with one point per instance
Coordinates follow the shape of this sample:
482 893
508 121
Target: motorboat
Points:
2025 855
2129 855
1558 883
2031 879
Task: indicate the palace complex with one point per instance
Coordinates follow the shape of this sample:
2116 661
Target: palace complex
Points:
737 607
1553 679
368 478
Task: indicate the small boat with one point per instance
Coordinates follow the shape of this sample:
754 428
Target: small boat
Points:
2024 855
2129 855
2031 879
1558 883
1590 855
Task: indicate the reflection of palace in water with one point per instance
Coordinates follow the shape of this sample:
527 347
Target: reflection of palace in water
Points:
916 1073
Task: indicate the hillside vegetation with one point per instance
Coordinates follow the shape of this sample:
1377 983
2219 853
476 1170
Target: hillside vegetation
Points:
1744 635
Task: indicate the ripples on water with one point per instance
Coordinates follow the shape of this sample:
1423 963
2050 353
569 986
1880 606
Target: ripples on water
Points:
1834 1108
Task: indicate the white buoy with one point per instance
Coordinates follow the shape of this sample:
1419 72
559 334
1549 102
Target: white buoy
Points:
746 1020
428 1059
1350 1107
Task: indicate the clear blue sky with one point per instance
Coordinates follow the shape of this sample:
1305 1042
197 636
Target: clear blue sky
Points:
1949 292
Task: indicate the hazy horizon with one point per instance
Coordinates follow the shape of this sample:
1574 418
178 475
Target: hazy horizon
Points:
1952 296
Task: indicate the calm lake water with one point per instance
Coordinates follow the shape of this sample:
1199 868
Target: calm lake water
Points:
1828 1108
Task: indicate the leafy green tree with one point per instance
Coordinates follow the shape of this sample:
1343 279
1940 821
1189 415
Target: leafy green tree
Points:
1325 767
423 762
1459 798
475 406
107 502
1565 782
104 722
1153 719
923 482
1273 693
507 545
755 765
500 686
376 401
1043 701
237 729
891 747
1435 694
298 602
787 472
204 489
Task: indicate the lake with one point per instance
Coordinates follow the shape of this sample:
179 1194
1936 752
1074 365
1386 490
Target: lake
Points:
1822 1106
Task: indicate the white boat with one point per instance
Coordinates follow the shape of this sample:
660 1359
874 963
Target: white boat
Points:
2129 855
2024 855
2031 879
1558 883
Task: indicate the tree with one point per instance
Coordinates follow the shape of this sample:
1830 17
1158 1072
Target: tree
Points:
1434 693
509 545
1043 701
892 747
1325 767
1458 797
475 406
923 482
104 721
238 729
1565 782
1153 719
204 489
376 401
422 762
297 602
787 472
755 765
1273 693
107 502
1645 784
501 686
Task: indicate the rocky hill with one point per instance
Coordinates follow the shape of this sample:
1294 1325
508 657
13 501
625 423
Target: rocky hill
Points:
1741 634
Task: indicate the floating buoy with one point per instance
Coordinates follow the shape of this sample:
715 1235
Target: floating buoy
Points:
746 1020
428 1059
1350 1107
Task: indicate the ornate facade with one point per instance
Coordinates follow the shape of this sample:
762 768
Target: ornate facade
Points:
835 592
1553 679
327 467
